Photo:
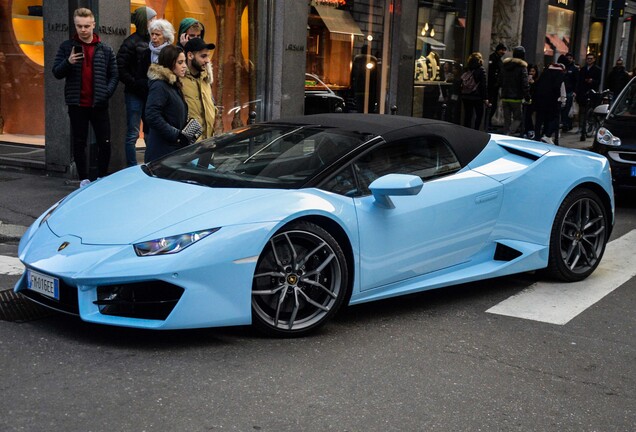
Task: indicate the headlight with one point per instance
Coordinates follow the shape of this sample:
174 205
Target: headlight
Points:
171 245
50 212
605 137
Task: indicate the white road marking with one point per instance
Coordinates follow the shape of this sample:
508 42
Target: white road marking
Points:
558 303
10 266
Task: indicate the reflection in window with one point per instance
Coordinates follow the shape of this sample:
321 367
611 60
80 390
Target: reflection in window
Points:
426 158
626 105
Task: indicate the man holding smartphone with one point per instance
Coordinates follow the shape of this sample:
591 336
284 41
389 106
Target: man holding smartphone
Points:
90 70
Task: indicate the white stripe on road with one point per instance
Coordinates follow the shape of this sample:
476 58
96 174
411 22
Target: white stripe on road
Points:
10 266
558 303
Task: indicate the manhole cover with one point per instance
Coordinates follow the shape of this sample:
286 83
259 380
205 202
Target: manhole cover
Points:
14 307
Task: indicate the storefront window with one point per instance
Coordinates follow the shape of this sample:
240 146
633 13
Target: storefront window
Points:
558 37
21 72
344 46
440 53
232 26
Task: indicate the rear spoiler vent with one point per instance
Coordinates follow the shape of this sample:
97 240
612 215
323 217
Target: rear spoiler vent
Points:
506 253
529 149
525 154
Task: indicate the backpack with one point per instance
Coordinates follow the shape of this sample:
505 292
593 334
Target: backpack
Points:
469 85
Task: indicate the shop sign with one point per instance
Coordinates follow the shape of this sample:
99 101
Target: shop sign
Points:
295 47
57 27
111 30
564 4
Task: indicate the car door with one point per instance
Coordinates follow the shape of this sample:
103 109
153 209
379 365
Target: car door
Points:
444 225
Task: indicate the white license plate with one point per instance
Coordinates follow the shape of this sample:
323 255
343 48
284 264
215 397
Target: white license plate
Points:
43 284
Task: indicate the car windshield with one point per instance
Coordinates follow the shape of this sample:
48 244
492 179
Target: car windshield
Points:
258 156
625 105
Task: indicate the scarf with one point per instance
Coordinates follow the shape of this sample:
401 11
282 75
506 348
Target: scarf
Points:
154 51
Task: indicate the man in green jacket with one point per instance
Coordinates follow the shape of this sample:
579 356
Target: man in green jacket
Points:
197 85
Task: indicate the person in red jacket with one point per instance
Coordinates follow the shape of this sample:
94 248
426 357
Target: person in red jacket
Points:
90 70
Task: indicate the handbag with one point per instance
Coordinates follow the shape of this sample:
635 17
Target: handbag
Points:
192 130
574 110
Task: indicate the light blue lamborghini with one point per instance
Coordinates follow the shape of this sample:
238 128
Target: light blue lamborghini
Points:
279 224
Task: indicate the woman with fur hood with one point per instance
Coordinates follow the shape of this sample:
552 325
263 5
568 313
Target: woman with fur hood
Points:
166 110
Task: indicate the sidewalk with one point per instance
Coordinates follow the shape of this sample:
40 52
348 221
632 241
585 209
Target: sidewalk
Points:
26 193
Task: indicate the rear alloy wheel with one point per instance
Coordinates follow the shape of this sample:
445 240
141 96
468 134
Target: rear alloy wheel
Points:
579 236
300 281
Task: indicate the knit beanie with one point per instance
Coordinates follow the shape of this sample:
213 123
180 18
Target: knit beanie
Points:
186 23
140 18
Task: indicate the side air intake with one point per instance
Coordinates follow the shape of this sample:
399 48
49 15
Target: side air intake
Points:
506 253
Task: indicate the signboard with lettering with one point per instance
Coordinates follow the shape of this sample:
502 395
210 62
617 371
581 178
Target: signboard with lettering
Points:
564 4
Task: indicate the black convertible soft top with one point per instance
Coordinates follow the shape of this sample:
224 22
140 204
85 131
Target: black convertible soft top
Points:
466 143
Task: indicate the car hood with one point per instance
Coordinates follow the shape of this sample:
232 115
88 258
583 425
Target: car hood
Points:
129 205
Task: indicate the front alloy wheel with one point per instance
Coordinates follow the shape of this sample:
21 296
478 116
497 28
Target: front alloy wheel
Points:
300 281
579 236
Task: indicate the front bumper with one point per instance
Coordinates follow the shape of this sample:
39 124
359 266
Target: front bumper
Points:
206 285
622 163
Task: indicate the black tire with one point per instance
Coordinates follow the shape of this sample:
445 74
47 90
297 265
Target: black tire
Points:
300 282
579 236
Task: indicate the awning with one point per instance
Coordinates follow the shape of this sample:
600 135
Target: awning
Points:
435 44
557 43
547 49
340 23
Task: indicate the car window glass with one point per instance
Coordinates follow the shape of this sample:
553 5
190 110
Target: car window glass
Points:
342 183
426 158
259 156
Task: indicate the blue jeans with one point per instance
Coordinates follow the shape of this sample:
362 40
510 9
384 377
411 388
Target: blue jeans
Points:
134 111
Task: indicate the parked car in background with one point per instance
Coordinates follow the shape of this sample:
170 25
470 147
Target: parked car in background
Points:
319 98
616 138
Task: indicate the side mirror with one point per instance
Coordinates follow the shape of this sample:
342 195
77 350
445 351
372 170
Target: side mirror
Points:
602 109
394 185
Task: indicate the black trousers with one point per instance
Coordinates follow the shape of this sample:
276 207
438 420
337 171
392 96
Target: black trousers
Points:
475 106
99 119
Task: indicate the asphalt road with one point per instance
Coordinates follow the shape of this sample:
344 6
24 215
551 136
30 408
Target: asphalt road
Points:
432 361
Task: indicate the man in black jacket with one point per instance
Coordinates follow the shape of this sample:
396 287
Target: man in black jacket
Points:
90 70
589 79
515 88
494 68
127 62
570 80
618 77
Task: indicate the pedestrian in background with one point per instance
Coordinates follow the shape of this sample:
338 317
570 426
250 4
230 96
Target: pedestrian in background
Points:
494 68
515 88
589 79
136 88
474 90
90 71
550 97
197 85
529 108
161 35
618 77
189 28
166 109
570 81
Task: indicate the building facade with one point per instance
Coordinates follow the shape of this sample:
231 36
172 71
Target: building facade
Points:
381 56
